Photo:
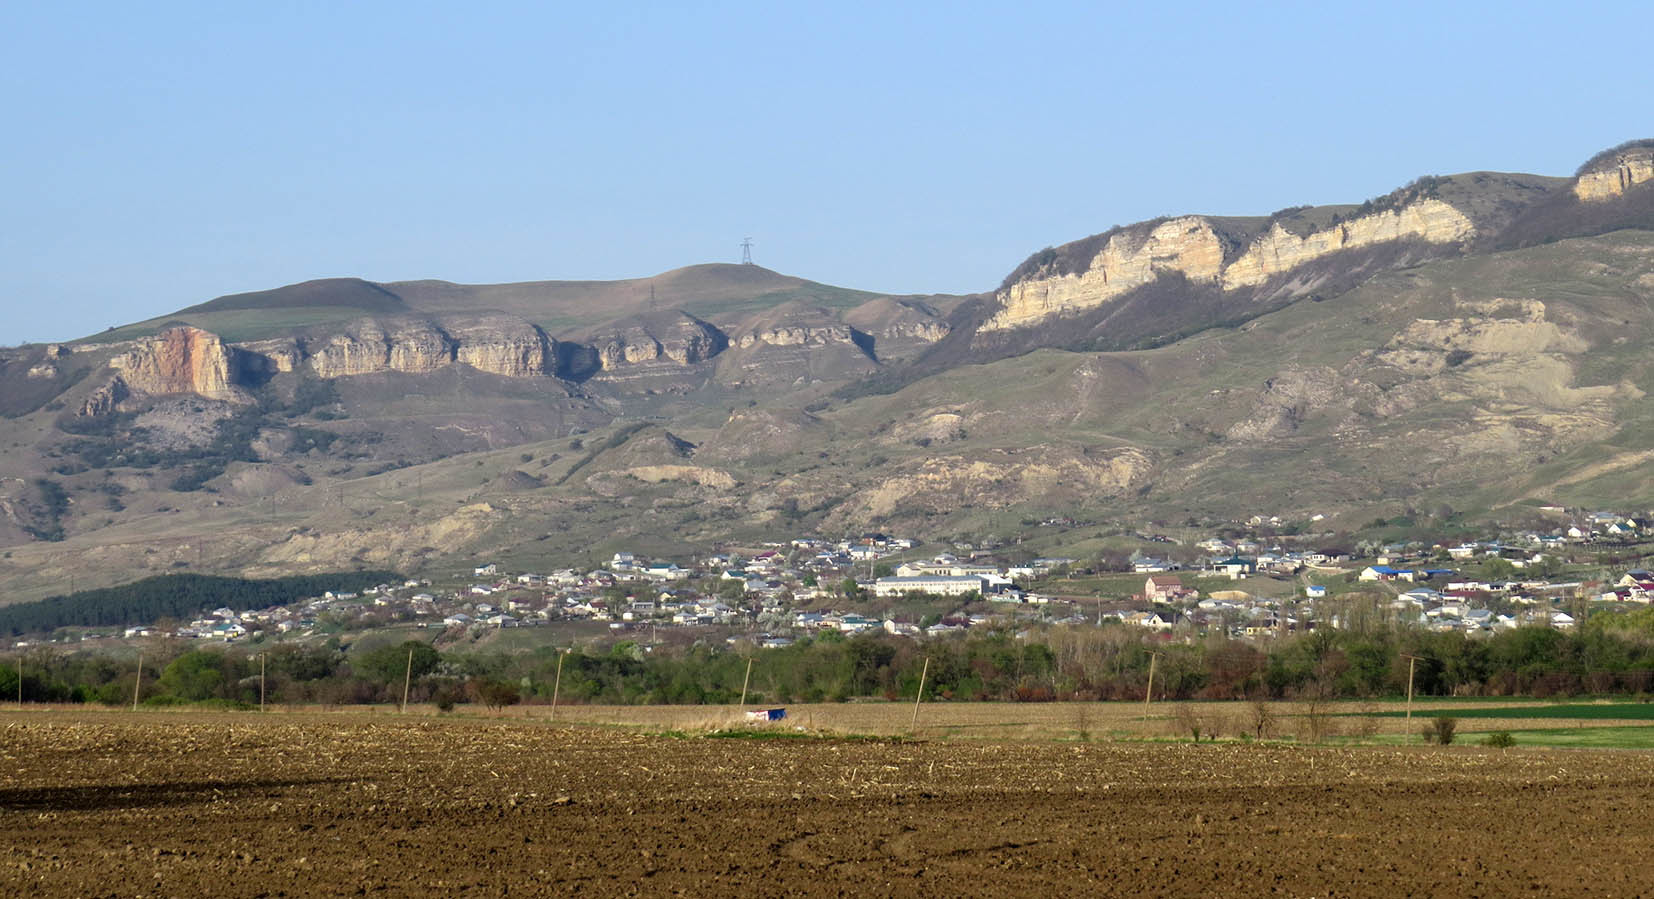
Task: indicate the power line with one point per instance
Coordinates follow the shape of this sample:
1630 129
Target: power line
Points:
746 251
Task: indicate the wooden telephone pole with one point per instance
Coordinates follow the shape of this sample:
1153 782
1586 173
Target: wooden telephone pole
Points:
1412 661
557 685
407 680
744 681
914 727
1149 693
136 683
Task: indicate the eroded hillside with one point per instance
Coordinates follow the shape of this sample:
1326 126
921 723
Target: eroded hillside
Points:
1421 349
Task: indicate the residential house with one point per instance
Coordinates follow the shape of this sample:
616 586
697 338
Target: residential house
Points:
1163 588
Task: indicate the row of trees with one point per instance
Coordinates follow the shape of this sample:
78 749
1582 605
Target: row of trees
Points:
1611 654
176 596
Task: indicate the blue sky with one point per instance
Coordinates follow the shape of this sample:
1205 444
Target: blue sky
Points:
158 155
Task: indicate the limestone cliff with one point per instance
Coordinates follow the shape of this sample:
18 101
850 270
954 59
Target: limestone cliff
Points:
1129 259
899 327
105 399
503 345
180 360
677 338
797 335
499 344
274 356
1615 175
370 345
1194 247
1280 251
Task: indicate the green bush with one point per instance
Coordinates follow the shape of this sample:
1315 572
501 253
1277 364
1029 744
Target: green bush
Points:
1500 739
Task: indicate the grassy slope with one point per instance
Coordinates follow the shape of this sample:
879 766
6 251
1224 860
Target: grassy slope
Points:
719 293
1174 404
1175 399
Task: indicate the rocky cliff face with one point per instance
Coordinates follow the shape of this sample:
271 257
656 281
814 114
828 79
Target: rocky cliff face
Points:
369 346
1280 251
105 399
503 345
1193 246
499 344
180 360
797 335
1189 245
1624 170
678 338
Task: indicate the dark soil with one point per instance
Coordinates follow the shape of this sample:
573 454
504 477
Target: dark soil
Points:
230 804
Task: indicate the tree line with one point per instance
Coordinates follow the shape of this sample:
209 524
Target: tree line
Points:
1611 654
178 596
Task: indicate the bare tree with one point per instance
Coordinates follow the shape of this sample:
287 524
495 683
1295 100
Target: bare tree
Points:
1190 720
1260 718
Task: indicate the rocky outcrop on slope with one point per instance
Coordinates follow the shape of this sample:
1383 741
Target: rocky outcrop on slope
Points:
677 338
899 327
794 343
1613 176
499 344
1129 259
105 399
1280 251
503 345
368 346
180 360
1195 247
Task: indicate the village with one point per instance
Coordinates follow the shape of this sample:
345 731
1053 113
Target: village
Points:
771 595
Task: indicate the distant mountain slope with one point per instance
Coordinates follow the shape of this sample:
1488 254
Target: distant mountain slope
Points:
1463 345
352 293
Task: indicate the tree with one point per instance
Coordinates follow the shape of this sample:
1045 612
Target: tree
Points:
495 694
732 589
194 676
1260 717
389 664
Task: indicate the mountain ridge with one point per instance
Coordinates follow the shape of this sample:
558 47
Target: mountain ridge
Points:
1453 376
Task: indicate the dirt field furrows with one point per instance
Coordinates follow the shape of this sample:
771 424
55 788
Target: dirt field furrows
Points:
110 804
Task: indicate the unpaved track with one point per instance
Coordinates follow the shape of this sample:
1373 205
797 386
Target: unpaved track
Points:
240 805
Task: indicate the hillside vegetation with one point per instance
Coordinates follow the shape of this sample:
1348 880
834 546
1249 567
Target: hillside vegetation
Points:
1469 342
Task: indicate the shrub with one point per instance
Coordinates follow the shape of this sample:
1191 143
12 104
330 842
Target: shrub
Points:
446 697
1500 739
495 694
1443 729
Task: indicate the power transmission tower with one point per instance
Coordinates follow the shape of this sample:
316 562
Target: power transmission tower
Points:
746 251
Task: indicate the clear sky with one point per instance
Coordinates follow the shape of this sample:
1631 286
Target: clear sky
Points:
155 155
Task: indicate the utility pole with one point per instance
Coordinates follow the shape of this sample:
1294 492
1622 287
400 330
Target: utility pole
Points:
1149 693
914 727
136 683
744 682
1411 662
557 685
261 660
407 678
746 251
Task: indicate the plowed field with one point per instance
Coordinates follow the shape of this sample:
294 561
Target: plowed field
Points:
227 804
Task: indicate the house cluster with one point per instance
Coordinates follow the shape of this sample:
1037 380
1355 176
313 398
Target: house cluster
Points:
784 589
